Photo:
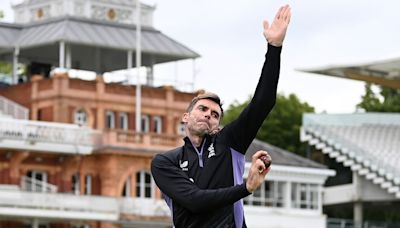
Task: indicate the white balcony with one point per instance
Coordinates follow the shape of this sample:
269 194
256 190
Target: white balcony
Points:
57 206
143 207
10 108
47 136
61 206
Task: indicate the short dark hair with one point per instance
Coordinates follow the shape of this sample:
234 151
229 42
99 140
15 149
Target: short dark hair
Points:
206 95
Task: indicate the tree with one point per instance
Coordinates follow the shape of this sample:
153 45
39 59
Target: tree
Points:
388 99
282 126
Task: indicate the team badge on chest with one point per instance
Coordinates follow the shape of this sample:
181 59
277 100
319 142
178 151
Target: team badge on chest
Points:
211 151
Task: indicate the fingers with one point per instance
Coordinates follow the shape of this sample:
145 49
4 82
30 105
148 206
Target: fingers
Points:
257 155
284 13
278 14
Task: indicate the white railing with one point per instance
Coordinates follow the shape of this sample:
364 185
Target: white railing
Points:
143 207
49 136
34 185
13 109
58 206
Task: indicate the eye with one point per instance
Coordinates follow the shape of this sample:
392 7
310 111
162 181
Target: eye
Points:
215 115
202 108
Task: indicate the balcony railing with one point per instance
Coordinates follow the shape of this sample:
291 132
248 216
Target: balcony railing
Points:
14 202
34 185
58 206
131 138
67 138
13 109
143 207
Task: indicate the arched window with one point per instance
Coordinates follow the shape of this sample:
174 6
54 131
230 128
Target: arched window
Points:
157 124
37 181
123 120
75 183
88 184
144 185
80 117
110 120
145 122
126 191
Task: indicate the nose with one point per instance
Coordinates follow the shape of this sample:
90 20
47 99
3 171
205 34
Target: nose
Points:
207 114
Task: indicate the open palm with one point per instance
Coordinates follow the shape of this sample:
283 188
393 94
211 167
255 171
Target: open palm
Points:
275 33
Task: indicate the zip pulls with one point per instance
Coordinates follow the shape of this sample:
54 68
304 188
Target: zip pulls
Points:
200 154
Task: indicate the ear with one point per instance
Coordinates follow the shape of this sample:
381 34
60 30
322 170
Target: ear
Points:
185 117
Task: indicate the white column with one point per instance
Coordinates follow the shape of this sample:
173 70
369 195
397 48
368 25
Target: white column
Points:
15 65
288 195
138 65
61 56
358 207
35 223
129 55
68 56
320 189
358 214
129 64
150 72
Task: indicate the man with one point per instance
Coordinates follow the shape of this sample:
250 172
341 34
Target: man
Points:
202 181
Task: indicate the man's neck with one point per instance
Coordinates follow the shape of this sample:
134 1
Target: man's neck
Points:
196 140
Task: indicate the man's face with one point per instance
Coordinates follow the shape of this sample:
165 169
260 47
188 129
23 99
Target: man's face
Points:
204 117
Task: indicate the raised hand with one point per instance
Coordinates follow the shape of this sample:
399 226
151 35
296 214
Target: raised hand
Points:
275 33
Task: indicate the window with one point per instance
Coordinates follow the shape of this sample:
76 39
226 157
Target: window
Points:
110 120
305 196
88 185
37 181
145 123
269 194
80 117
126 191
75 183
157 124
144 185
123 120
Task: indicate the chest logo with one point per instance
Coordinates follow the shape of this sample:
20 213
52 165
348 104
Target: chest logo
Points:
184 165
211 151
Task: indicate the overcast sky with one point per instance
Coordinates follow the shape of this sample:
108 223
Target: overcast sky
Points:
228 36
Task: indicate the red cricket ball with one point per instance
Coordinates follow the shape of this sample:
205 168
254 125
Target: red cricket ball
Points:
267 160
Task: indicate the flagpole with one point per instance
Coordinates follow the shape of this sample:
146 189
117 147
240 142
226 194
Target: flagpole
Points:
138 65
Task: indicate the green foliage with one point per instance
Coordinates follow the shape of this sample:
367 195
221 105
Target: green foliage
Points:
5 68
282 126
388 100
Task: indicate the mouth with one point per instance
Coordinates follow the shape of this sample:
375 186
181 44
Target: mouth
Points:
204 122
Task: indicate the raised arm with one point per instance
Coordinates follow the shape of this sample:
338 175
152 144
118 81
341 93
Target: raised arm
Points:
173 182
244 129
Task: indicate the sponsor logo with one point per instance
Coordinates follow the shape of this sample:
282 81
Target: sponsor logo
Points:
184 165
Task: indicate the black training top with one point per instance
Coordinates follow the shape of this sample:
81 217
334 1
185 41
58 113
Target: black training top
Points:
204 187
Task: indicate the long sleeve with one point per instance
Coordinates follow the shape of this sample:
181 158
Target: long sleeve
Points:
243 130
173 182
